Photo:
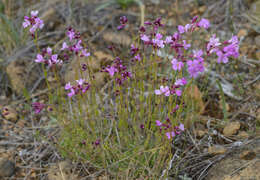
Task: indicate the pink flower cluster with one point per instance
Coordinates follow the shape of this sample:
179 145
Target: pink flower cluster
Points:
80 88
123 21
75 44
193 61
33 22
173 90
179 45
134 52
38 107
118 67
47 57
171 131
223 50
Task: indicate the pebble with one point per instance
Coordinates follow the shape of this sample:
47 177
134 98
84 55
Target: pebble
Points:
247 155
7 168
217 150
231 128
9 113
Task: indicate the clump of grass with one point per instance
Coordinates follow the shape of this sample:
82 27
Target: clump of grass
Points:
128 128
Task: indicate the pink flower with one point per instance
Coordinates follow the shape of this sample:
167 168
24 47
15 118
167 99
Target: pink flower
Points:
37 107
81 87
33 29
39 58
181 127
163 90
197 55
173 134
77 47
157 92
138 57
222 57
34 13
187 27
49 51
204 23
34 22
111 70
185 45
168 134
133 49
176 36
181 29
64 46
54 60
26 23
168 40
39 23
85 53
145 38
194 67
178 92
180 82
233 48
176 65
86 88
213 44
158 123
158 36
158 41
71 34
71 93
80 82
123 21
68 86
233 40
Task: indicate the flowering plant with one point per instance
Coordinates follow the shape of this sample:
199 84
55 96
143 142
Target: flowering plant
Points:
129 125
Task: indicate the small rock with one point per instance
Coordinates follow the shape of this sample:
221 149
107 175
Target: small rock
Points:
231 128
257 41
227 106
48 14
257 54
20 75
216 150
103 56
62 171
9 113
243 135
93 64
104 177
7 167
155 2
117 38
171 22
162 11
242 33
243 49
194 94
200 130
202 9
247 155
16 72
200 133
100 78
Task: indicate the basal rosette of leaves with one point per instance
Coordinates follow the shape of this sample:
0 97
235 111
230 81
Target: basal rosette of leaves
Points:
129 127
